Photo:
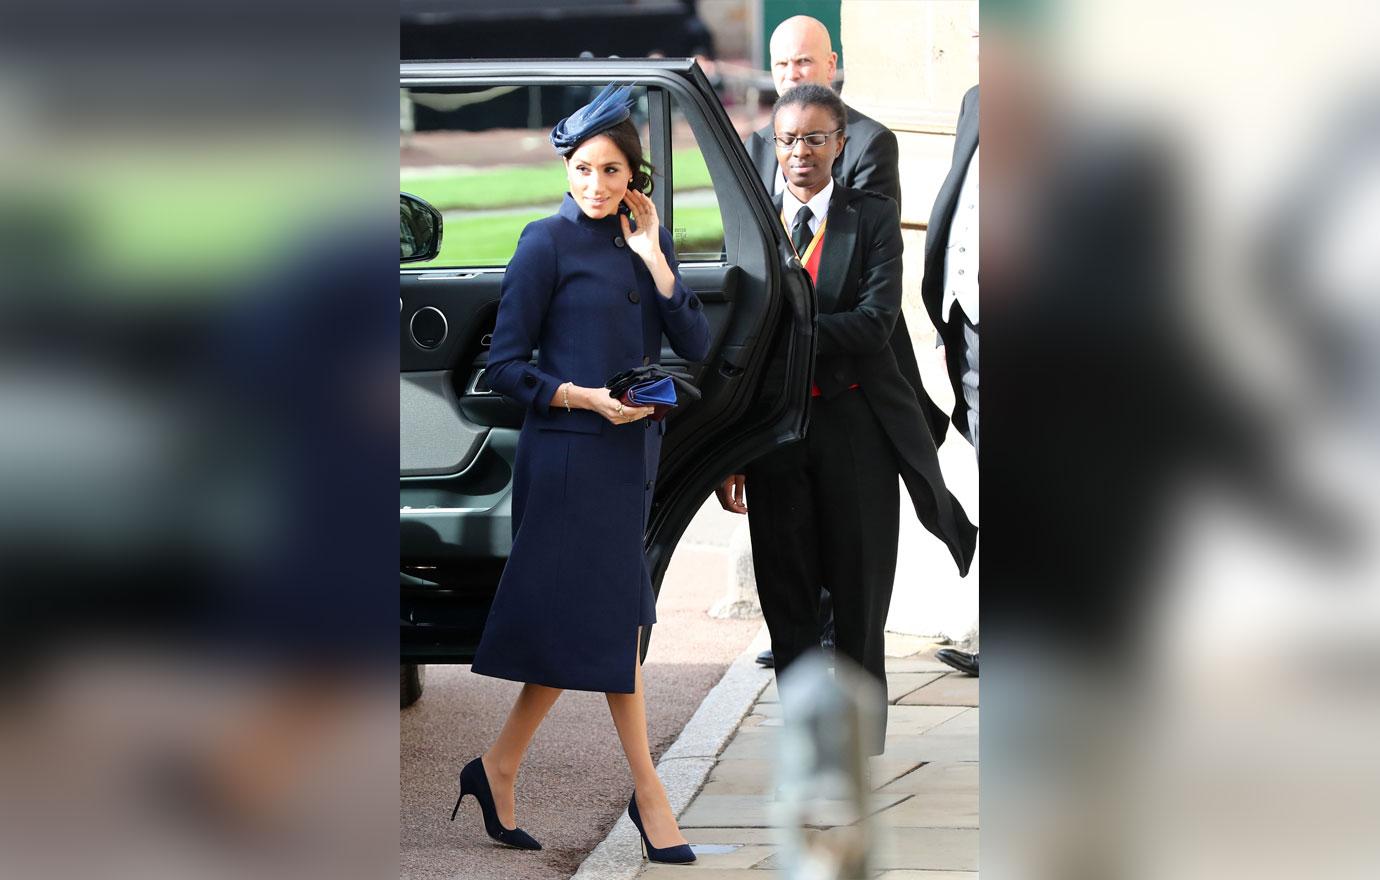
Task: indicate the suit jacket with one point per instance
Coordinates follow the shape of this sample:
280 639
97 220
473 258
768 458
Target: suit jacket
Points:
859 292
868 162
936 243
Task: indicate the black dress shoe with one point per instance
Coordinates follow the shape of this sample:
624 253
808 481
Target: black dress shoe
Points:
960 660
766 659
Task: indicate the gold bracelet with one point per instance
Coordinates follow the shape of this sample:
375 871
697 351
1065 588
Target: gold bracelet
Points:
565 390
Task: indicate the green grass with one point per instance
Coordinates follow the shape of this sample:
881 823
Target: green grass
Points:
490 240
479 188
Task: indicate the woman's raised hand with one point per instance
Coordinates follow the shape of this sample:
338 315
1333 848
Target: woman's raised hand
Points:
616 412
646 241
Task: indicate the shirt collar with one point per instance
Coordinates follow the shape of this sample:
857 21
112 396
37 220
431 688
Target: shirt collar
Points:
819 205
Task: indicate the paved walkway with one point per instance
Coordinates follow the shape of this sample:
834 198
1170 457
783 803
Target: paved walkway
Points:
927 783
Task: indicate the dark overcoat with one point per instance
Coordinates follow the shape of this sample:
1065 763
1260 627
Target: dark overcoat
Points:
936 245
859 294
868 162
576 587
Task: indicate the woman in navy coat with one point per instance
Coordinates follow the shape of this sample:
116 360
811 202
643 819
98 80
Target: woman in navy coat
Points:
593 293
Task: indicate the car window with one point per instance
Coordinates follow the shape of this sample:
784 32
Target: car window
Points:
697 226
480 155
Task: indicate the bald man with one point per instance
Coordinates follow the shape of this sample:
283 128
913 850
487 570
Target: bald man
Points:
802 52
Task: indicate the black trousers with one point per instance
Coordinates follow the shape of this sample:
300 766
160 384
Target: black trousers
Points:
825 512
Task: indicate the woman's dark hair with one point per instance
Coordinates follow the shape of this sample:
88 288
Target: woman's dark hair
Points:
811 95
624 137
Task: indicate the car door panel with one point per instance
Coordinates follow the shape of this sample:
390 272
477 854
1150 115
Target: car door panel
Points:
434 436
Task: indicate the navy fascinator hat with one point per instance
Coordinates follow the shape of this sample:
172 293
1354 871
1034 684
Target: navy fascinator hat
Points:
610 107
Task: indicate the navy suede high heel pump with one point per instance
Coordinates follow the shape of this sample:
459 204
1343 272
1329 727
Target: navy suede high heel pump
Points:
474 781
671 855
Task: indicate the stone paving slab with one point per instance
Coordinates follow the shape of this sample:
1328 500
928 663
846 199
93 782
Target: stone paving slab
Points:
888 768
941 796
902 671
915 664
731 835
947 849
935 749
935 849
928 777
954 689
753 771
925 807
900 684
911 721
695 872
755 810
965 723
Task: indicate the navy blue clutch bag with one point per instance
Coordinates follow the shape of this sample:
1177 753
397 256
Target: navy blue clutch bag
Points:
651 386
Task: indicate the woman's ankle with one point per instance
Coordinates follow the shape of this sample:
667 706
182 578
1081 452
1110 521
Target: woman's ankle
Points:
498 767
650 790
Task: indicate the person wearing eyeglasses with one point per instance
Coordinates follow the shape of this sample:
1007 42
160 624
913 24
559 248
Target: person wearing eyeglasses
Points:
801 53
826 510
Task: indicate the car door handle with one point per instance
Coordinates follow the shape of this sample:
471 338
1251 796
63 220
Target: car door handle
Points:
473 387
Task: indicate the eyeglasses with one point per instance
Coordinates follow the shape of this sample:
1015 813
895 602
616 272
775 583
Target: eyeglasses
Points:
815 139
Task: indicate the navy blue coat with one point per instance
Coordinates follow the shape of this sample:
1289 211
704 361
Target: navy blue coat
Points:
576 586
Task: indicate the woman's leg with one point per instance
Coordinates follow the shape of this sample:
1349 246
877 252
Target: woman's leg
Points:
502 759
630 717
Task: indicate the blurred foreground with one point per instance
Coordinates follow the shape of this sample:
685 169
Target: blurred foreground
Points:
198 442
1181 590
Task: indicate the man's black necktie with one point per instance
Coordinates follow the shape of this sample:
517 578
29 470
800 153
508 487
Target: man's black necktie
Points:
800 233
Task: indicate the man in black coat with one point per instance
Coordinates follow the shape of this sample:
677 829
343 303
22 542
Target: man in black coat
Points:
950 293
801 53
825 511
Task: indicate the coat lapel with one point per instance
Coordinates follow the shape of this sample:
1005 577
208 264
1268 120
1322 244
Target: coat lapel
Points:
965 144
840 235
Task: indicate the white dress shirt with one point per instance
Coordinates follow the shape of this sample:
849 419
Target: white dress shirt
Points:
961 254
819 206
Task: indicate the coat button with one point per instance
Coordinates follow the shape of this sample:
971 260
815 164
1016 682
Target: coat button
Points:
530 381
647 423
695 303
649 485
633 297
619 242
646 359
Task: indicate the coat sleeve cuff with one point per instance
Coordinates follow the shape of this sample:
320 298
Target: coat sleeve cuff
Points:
536 389
681 297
